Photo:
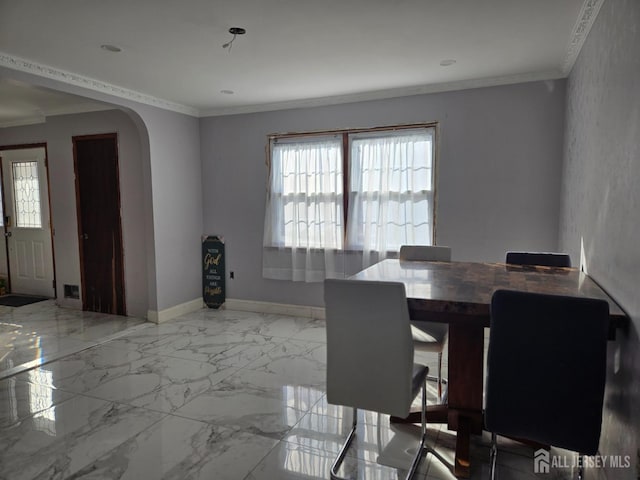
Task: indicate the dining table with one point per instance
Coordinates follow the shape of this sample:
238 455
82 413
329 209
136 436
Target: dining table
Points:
459 293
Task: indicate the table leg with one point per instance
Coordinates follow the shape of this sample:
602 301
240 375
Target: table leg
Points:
466 356
463 411
462 465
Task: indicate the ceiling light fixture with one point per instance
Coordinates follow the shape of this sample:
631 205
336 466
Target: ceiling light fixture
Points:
447 62
110 48
235 31
227 92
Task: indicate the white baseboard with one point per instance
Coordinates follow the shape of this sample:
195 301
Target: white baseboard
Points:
175 311
275 308
318 313
71 303
241 305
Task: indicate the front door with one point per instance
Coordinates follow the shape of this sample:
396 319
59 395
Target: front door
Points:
26 219
98 206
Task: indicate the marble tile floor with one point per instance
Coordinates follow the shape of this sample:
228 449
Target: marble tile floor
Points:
35 334
210 395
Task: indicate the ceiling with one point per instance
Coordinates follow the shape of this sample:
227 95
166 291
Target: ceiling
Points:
295 52
23 104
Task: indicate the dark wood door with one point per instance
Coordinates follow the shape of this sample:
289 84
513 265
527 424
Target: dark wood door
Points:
98 206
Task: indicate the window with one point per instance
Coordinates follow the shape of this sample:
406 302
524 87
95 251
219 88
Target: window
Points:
388 177
391 192
26 193
306 189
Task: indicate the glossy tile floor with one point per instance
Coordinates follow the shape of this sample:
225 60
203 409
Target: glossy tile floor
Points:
210 395
35 334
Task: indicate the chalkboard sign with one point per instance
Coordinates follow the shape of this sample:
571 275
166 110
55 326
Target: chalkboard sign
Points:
213 291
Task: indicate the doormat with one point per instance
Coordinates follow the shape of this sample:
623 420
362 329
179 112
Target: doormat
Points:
19 300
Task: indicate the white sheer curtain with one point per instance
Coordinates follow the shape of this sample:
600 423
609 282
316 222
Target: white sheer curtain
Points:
391 192
304 220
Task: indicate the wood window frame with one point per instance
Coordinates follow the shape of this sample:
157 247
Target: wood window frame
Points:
345 134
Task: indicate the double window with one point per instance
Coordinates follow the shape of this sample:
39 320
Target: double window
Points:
351 191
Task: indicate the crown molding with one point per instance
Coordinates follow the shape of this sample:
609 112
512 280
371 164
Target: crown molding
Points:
24 121
28 66
586 19
79 108
68 110
385 94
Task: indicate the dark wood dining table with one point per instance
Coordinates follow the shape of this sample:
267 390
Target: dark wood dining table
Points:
459 293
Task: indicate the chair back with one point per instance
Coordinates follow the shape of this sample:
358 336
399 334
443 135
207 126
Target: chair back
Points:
546 368
425 253
369 346
545 259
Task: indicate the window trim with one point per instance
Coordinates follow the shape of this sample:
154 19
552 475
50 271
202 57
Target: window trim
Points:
346 154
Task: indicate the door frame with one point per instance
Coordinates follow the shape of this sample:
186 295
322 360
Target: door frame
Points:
98 136
27 146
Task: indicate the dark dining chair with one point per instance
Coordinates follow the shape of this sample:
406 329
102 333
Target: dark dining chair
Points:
424 253
545 259
370 355
546 370
428 337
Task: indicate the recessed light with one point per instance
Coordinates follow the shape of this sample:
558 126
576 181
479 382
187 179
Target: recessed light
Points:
447 62
227 92
110 48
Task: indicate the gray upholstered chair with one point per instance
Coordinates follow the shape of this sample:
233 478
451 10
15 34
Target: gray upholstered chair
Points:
545 259
429 337
546 370
425 253
370 354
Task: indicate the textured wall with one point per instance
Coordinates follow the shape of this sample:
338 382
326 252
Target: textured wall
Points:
499 165
601 200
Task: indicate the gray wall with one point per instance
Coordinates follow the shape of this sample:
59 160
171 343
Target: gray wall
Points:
601 201
57 133
176 187
499 166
